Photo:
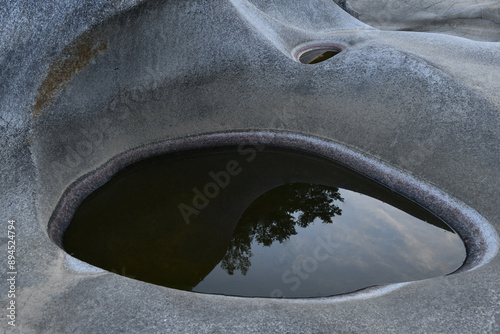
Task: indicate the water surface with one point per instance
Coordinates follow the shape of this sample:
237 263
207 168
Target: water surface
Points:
258 221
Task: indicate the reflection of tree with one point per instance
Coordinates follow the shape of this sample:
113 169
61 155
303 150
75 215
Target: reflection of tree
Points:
273 216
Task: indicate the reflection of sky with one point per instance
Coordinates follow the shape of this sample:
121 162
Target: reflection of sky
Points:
377 244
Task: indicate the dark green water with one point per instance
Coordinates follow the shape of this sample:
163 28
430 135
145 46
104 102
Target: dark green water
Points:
255 221
317 55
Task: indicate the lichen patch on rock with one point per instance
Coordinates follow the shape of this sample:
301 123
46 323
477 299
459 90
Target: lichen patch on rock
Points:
71 61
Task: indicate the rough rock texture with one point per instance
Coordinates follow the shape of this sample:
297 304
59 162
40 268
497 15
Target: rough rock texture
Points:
477 20
84 82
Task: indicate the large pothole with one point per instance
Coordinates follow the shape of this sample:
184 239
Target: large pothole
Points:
255 220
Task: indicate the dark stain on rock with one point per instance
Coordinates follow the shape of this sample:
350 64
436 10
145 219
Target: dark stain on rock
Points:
72 60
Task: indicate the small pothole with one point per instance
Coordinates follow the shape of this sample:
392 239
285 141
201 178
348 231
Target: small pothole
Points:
317 54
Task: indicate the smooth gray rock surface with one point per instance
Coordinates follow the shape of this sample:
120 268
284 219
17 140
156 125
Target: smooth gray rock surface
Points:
477 20
83 83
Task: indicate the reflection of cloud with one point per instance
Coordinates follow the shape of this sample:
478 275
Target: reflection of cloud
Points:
379 235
